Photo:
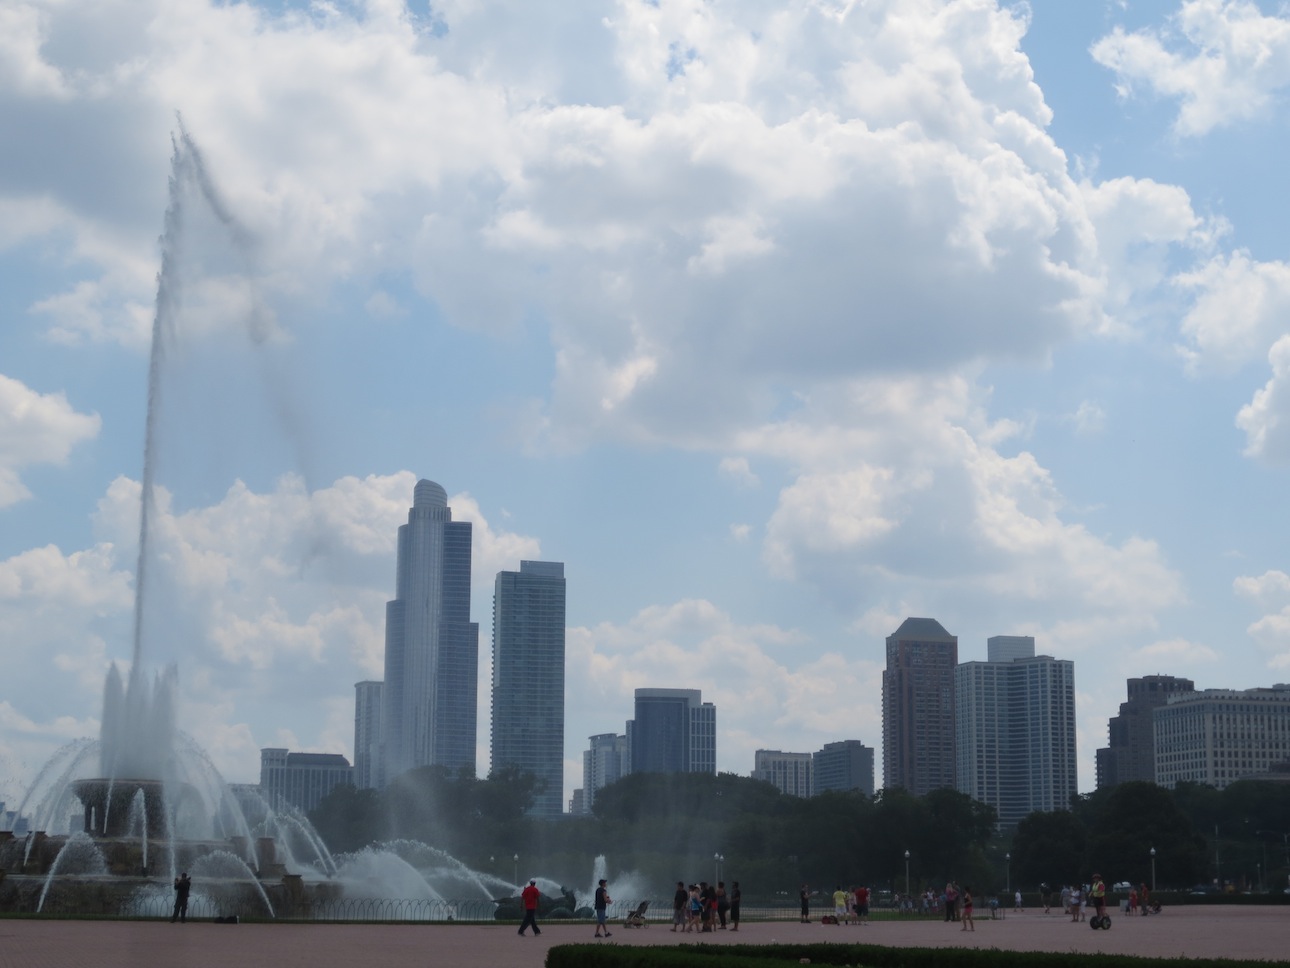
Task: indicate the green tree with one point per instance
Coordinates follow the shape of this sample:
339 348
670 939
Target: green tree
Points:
1048 847
348 819
1135 818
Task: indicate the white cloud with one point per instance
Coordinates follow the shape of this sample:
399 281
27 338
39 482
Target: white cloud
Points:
739 470
1224 60
772 687
1266 418
1241 307
1271 592
36 428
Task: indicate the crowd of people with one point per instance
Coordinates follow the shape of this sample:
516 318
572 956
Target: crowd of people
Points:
706 907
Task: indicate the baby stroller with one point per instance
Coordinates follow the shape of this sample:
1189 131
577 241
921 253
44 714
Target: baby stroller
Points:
636 919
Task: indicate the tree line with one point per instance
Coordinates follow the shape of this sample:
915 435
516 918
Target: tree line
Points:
670 827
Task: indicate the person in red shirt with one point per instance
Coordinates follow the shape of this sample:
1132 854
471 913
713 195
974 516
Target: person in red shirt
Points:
862 905
530 895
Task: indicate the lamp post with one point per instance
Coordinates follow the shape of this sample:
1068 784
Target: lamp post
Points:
717 859
1007 861
907 874
516 859
1153 870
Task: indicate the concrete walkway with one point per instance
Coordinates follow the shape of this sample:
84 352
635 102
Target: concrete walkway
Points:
1223 932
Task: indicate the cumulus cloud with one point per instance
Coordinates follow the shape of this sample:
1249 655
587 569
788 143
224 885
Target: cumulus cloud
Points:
1266 418
1225 61
773 687
1271 592
919 499
36 428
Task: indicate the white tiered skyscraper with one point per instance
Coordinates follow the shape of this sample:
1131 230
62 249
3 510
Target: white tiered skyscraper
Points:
431 645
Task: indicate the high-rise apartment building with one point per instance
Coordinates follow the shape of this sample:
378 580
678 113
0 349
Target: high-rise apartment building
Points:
842 766
367 734
1219 736
1016 729
1131 751
301 780
528 678
674 731
790 773
604 762
918 707
431 645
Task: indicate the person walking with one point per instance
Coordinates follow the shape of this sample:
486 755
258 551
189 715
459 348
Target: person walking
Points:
183 885
680 901
968 924
736 898
530 897
602 908
723 904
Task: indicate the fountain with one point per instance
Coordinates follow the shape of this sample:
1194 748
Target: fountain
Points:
151 804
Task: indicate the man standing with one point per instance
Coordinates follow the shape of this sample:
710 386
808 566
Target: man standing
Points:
183 884
680 901
862 904
806 904
602 908
530 896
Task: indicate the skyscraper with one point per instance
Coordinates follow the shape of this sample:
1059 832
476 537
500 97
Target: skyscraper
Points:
604 762
367 734
790 773
1016 729
528 678
844 765
674 731
918 707
431 645
1130 753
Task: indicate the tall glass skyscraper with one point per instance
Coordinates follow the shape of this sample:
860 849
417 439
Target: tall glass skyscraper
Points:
528 678
431 645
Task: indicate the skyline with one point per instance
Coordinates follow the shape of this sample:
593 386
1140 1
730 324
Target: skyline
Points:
776 323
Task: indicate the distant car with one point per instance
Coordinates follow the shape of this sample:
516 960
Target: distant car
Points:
1122 886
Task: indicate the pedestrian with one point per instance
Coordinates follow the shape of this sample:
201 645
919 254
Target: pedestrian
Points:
1046 896
1075 903
1016 901
862 904
840 904
736 898
183 885
707 905
1066 898
696 909
530 897
968 924
680 901
602 908
951 901
723 903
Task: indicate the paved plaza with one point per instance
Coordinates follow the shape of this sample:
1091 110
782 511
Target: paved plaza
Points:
1225 932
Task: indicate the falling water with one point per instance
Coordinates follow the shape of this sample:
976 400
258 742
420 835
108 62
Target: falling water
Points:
80 855
139 821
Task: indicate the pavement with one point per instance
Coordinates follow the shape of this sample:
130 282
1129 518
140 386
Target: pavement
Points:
1194 931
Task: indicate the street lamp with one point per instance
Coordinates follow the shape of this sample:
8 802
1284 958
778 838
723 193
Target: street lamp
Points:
1007 860
717 859
516 859
907 874
1153 870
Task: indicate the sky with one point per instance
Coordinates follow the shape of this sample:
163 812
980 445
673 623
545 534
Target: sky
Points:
776 322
